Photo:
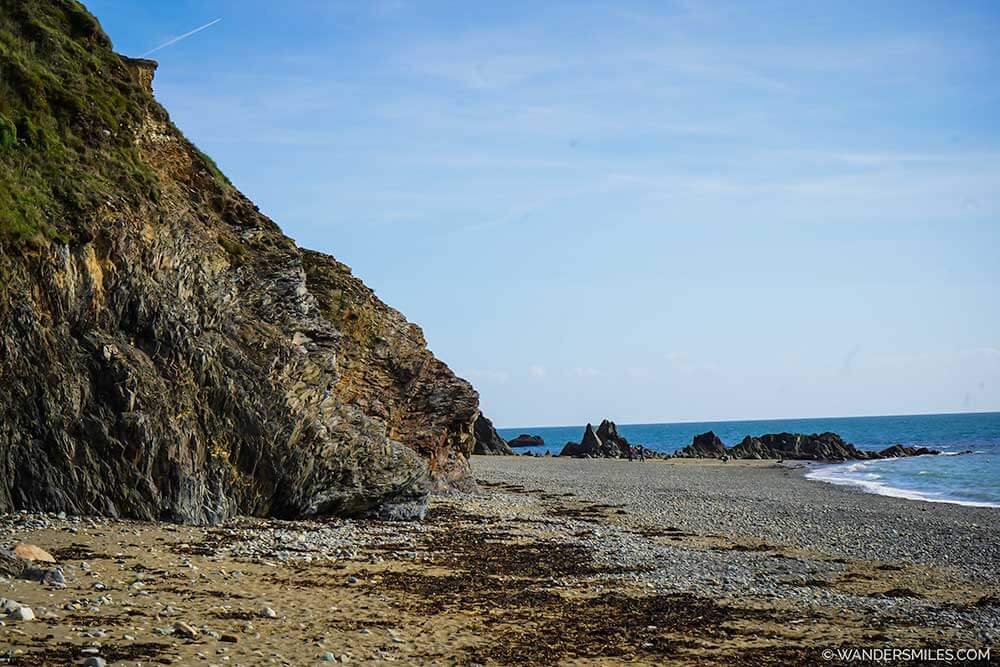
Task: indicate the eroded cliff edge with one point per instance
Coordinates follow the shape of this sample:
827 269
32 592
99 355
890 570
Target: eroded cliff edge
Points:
165 351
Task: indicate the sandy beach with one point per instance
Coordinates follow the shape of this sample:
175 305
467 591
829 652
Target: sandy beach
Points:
553 561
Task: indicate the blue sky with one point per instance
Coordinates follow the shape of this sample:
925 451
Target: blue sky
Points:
651 211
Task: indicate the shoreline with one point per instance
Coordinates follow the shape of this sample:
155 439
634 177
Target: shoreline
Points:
550 561
815 472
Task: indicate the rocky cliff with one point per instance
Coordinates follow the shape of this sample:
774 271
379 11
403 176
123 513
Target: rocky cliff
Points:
165 351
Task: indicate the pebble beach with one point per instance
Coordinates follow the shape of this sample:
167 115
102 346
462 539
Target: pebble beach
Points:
551 561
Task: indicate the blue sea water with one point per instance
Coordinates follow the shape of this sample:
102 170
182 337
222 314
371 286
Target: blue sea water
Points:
970 479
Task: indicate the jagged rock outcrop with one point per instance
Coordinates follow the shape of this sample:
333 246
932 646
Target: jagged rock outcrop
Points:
613 445
605 442
165 351
525 440
790 446
488 441
705 446
821 447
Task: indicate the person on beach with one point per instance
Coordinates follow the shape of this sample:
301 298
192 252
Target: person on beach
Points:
642 453
628 452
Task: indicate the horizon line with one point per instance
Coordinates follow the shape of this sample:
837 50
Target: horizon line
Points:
767 419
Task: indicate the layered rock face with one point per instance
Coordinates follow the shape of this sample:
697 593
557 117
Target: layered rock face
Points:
488 441
165 351
791 446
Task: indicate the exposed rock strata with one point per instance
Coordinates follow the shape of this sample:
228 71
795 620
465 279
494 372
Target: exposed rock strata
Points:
167 353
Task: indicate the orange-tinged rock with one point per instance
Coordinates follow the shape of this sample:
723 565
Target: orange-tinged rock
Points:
33 553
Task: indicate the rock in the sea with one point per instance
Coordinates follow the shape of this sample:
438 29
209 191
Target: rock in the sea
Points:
488 441
167 353
899 451
525 440
791 446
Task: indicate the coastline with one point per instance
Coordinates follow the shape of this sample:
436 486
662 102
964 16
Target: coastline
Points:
551 561
826 472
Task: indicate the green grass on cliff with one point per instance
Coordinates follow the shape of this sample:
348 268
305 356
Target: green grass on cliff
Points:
67 107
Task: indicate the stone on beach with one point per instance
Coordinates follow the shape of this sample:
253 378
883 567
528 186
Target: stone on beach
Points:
30 552
22 614
182 629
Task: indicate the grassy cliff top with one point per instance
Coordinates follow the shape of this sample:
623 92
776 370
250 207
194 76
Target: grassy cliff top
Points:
69 107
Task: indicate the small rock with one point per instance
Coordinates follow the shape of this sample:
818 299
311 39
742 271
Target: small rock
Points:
267 612
228 637
94 661
182 629
55 576
23 614
328 656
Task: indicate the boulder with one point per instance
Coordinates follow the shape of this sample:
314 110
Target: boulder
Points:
525 440
899 451
590 446
570 449
488 441
30 552
11 565
704 446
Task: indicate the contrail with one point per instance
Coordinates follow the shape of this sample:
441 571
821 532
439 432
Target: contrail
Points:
177 39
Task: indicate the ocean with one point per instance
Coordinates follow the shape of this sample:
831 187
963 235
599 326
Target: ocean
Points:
956 477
